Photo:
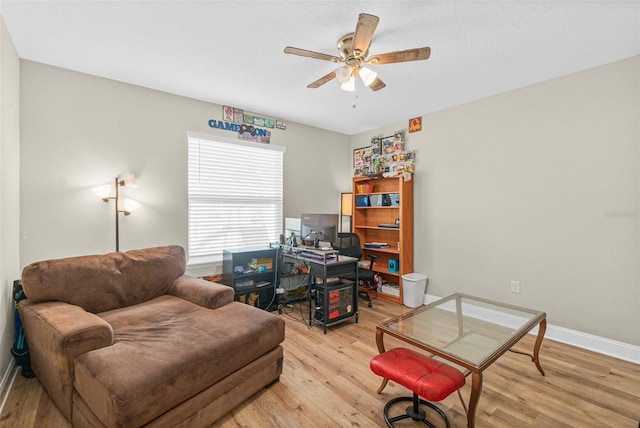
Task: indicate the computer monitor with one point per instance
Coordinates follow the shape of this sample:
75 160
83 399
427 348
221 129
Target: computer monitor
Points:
319 228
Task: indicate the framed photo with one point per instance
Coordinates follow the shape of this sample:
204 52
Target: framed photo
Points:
358 157
227 113
376 144
281 124
363 161
415 124
388 144
237 115
398 141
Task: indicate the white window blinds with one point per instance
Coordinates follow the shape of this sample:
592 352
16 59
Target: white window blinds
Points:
235 196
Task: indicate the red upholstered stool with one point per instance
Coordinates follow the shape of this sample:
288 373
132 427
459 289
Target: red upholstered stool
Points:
423 375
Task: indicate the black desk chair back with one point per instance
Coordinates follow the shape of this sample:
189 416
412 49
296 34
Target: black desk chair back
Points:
349 245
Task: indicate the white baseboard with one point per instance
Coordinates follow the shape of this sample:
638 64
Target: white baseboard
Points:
7 381
601 345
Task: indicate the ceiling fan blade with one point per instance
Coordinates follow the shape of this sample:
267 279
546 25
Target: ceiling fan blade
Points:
377 85
364 33
311 54
321 81
416 54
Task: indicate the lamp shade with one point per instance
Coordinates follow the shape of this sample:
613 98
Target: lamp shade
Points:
104 191
130 206
346 204
129 181
349 85
367 75
344 73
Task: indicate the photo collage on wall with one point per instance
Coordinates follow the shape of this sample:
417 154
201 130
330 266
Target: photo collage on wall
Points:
385 157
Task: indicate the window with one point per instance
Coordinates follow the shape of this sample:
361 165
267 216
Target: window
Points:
235 196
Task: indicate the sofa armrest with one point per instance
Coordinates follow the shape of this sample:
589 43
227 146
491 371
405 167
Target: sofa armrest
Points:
57 333
201 292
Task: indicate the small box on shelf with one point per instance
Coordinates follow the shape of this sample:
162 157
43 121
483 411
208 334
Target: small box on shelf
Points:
390 289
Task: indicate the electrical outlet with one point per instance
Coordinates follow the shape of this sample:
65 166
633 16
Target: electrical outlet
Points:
515 287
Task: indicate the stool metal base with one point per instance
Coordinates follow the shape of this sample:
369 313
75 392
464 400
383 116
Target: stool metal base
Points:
414 412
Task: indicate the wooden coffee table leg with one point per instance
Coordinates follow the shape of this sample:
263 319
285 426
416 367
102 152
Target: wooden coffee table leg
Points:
380 340
536 348
476 389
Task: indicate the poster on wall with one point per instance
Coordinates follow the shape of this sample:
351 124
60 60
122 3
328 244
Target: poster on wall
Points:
415 124
227 113
237 115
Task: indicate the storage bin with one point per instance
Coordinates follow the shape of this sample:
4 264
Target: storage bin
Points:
413 288
364 188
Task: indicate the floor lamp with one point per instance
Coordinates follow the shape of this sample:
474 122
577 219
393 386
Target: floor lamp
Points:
129 205
346 208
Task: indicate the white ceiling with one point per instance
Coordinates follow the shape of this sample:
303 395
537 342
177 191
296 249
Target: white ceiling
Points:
231 52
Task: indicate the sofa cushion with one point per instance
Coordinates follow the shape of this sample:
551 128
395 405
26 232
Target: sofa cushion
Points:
103 282
167 350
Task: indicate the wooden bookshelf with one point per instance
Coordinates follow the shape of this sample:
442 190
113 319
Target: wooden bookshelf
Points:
370 211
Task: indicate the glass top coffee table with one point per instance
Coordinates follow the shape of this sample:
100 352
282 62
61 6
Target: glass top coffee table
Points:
470 332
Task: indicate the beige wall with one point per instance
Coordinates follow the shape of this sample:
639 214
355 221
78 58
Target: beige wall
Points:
79 131
538 185
9 188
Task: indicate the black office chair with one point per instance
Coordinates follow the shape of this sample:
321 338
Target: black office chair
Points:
349 245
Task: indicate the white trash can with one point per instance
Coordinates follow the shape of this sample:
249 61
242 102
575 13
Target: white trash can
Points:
413 288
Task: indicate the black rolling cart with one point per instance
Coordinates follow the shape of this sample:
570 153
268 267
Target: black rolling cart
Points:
331 299
335 302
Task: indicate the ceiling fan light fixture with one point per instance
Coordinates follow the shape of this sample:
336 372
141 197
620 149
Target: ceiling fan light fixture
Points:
353 49
349 85
343 74
367 75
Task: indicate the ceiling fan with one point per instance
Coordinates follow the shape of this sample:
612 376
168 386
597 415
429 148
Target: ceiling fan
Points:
353 49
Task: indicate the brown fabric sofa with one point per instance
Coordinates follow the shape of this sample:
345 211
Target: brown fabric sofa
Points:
128 340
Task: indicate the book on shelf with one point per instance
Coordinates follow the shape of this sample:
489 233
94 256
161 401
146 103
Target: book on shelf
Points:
389 226
376 245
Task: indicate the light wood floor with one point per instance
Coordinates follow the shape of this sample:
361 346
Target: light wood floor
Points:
326 382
